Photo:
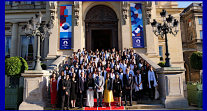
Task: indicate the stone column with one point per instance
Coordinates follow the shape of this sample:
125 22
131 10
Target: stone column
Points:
171 87
35 90
13 51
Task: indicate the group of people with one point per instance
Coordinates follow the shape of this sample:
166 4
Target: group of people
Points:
103 74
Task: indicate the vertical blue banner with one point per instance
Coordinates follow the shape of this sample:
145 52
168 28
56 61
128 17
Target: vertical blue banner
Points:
137 25
65 26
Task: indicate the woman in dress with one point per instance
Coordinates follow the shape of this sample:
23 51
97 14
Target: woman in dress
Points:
53 90
90 91
108 94
73 90
117 85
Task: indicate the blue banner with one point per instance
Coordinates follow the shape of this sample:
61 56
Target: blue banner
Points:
65 26
137 25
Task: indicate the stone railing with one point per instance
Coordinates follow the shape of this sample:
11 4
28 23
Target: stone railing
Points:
150 62
57 65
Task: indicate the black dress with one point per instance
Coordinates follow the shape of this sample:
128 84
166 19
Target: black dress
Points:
73 90
117 85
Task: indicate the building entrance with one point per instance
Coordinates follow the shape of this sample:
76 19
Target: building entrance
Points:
101 27
101 39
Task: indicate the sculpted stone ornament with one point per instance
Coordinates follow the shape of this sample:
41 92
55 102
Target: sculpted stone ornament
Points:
53 10
124 11
77 9
148 8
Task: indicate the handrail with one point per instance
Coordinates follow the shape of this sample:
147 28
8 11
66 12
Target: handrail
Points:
57 65
149 61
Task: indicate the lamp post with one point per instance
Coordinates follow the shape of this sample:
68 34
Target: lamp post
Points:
169 25
35 28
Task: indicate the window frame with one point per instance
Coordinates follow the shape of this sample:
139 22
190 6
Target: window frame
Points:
161 52
201 34
27 45
7 44
200 20
189 23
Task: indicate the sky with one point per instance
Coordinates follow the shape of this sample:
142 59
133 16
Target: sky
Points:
184 4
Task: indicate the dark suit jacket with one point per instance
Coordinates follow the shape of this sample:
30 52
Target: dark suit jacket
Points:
109 84
67 85
81 84
89 83
117 85
129 82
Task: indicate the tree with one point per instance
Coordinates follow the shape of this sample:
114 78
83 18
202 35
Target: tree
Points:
196 60
14 66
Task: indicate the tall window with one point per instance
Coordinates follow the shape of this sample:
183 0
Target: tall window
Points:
201 34
27 48
191 36
161 52
200 19
7 46
189 23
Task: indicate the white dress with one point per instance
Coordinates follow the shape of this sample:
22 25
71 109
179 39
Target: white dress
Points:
90 97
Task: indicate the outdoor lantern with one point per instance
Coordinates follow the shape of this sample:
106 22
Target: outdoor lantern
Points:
154 25
50 26
33 22
27 28
176 25
163 15
170 20
39 17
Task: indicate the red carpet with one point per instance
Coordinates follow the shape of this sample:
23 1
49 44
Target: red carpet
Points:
105 106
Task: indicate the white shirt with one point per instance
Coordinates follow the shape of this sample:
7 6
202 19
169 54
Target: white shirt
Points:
94 75
121 77
124 68
151 76
131 72
80 72
112 75
131 66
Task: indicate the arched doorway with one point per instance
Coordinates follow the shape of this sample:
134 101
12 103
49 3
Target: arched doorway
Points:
101 28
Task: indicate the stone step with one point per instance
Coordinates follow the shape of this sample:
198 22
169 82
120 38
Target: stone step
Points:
50 108
145 106
145 102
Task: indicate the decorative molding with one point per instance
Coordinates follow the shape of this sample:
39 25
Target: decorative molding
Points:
53 10
148 8
77 8
124 10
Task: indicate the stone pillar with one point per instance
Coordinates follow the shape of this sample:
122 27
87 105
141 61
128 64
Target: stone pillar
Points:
77 25
35 90
171 87
13 51
126 26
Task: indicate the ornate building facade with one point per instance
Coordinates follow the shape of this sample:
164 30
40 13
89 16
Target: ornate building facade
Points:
192 36
97 25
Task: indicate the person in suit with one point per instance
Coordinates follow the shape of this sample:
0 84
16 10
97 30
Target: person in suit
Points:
81 88
117 85
145 77
128 83
73 90
59 88
152 83
90 91
108 87
99 87
103 72
66 85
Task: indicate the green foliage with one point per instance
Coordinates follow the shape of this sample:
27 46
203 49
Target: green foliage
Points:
161 64
43 66
14 66
196 60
